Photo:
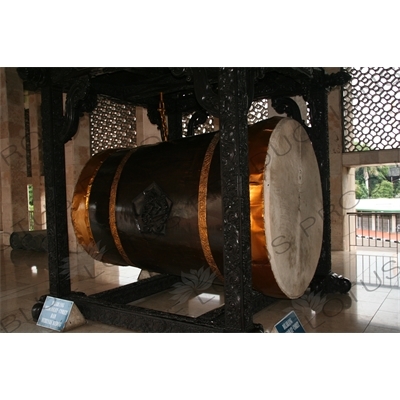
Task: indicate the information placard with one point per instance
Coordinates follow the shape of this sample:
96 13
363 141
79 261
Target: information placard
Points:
55 313
290 324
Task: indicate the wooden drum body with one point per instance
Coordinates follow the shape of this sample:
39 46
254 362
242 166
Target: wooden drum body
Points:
159 207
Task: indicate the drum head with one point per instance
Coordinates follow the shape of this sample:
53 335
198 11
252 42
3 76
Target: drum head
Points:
293 208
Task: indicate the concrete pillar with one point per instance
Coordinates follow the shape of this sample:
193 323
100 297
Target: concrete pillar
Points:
393 224
13 198
343 198
349 202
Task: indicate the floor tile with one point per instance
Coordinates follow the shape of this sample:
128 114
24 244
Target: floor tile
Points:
371 306
386 319
394 294
344 303
392 305
371 294
380 329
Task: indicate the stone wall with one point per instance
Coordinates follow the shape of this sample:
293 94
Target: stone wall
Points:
13 197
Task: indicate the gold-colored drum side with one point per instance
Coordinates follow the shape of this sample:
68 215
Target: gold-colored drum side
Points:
112 211
80 203
262 275
202 206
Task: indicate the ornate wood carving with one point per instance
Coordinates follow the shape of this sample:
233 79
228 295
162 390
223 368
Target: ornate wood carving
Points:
285 105
55 188
233 106
205 91
80 99
197 118
152 208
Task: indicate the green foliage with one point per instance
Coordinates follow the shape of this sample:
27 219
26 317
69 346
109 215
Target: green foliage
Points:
383 190
375 182
360 146
361 190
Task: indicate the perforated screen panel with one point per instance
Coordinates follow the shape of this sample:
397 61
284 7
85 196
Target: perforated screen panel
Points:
258 111
371 109
112 125
207 127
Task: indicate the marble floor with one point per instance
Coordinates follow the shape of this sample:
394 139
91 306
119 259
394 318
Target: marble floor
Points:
371 306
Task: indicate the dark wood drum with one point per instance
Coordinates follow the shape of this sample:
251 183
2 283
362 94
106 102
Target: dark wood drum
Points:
159 207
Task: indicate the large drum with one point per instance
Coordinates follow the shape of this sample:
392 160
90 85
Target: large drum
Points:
159 207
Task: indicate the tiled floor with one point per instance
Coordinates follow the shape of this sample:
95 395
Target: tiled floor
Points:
372 305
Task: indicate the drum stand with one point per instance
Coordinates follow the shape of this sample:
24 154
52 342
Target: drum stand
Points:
236 88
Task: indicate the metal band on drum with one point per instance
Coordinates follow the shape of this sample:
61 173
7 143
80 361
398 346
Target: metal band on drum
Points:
112 209
80 204
202 207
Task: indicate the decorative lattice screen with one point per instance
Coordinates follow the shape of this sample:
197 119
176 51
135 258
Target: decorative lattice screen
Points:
371 109
112 125
208 126
258 111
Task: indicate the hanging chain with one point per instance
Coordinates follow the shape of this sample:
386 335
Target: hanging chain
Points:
164 127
